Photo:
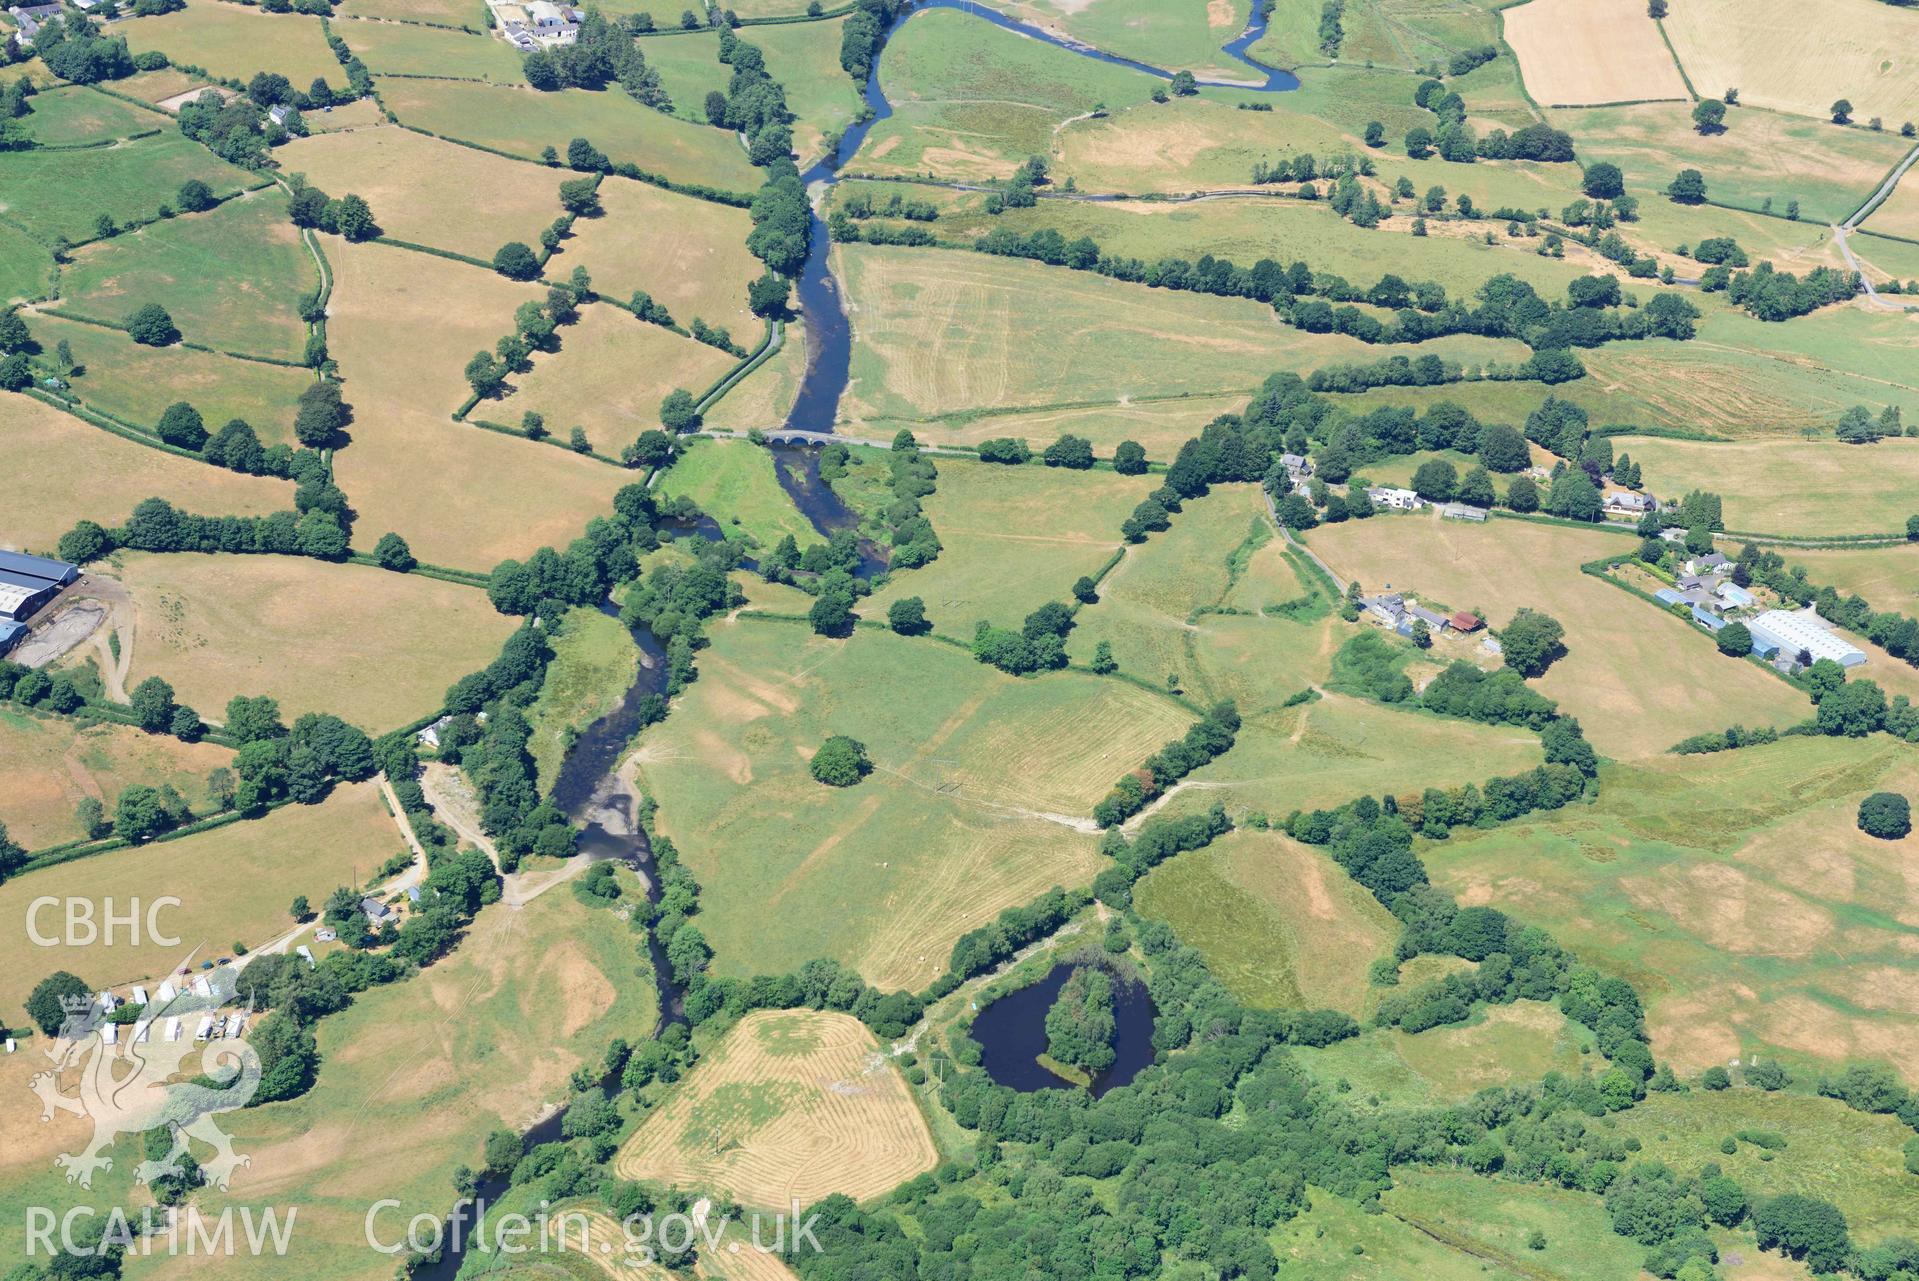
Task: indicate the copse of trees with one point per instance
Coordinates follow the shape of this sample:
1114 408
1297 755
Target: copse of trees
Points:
1774 295
602 53
156 525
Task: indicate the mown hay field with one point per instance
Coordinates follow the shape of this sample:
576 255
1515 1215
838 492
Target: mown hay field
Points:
412 50
593 665
376 648
1576 53
470 14
1899 215
1500 1045
971 100
1637 678
1278 922
523 121
1793 487
230 278
1735 892
1158 426
122 378
951 826
1762 155
1188 144
67 470
790 1105
1013 538
50 763
51 194
943 331
403 325
735 482
610 375
689 255
1888 577
1801 55
418 1072
428 191
235 41
234 884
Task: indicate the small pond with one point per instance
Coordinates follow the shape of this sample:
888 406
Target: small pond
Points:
1012 1034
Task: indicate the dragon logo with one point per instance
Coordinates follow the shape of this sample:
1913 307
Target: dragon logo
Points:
139 1081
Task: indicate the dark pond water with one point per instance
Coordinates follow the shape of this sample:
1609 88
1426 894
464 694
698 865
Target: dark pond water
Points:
1012 1033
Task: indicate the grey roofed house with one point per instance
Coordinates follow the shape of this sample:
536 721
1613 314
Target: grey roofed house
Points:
1699 597
1710 562
375 910
1437 622
1387 606
1630 502
1689 581
1296 463
1462 511
38 12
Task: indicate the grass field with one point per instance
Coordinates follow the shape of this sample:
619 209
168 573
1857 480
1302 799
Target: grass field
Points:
1848 1158
1178 37
457 13
1899 215
1865 52
1787 486
1637 679
971 100
230 278
376 648
792 1104
951 826
51 194
418 1072
764 397
25 265
1736 894
75 114
403 326
1603 51
1761 155
235 41
1336 1241
690 255
805 58
1886 576
1159 426
610 375
122 378
523 121
423 190
153 86
1492 1220
593 665
1188 144
50 764
1501 1045
735 483
66 470
1279 924
1014 538
413 50
944 331
234 884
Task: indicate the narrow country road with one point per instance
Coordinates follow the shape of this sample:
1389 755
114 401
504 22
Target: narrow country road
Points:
1879 197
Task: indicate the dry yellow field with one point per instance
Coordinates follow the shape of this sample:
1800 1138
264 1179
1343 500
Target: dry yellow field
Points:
432 192
403 325
1160 426
792 1105
1899 215
609 376
237 41
234 884
47 764
690 255
373 647
1886 576
1638 679
64 470
1800 55
1803 488
1581 52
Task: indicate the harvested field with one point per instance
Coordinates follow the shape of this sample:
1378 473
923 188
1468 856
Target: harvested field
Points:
689 255
122 378
66 470
1637 679
49 764
1014 538
791 1105
1736 894
422 189
976 778
1886 576
412 50
234 42
233 883
944 331
610 375
403 326
1865 51
230 278
1158 426
1185 145
50 194
156 86
1801 488
524 121
1575 53
376 648
1899 215
1278 922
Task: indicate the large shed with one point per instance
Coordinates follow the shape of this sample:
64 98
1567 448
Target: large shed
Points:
28 582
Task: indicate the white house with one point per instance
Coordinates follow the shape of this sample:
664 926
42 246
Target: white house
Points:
1399 500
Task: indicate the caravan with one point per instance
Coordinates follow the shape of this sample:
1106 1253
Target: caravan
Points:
205 1029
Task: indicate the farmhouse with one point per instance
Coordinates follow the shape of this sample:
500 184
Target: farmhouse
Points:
1399 500
1710 563
1780 632
28 582
1624 502
375 910
552 24
1386 607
